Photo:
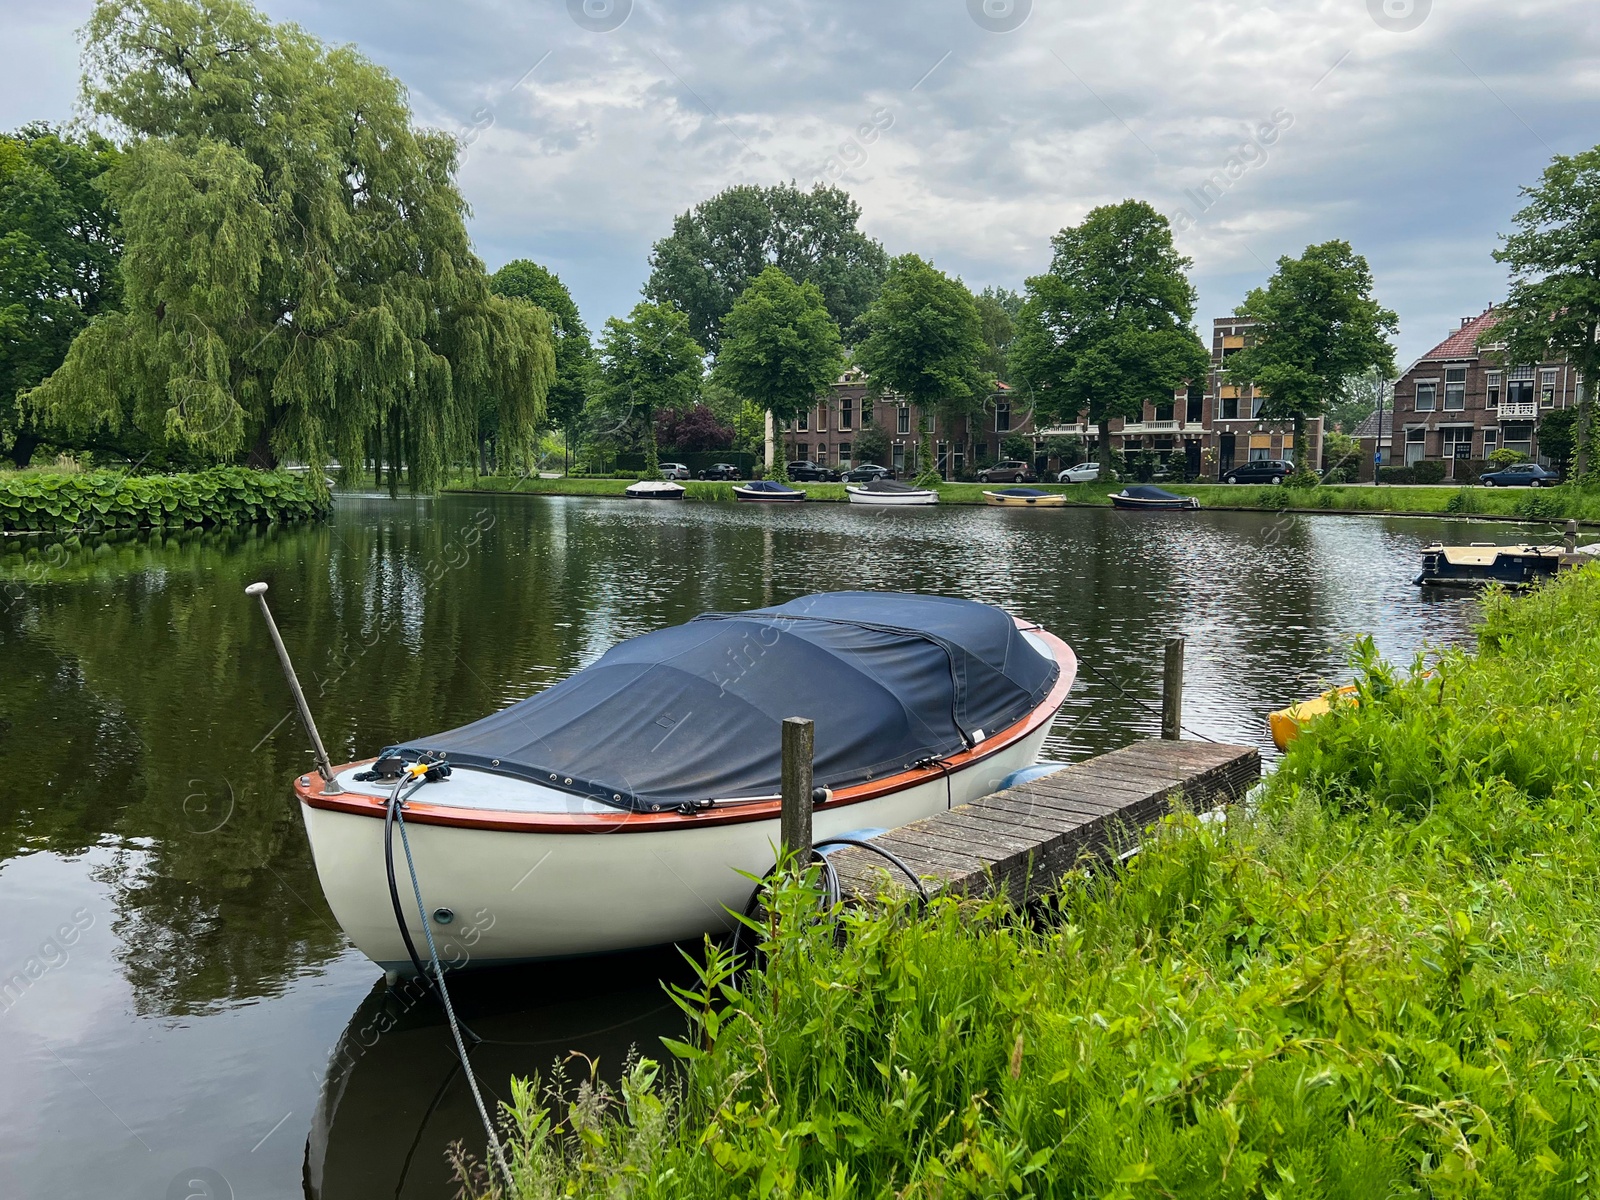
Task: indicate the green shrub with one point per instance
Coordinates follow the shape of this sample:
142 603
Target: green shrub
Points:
1463 501
1429 470
103 500
1396 475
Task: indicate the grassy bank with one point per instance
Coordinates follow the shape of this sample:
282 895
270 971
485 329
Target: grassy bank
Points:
1380 982
1521 504
101 501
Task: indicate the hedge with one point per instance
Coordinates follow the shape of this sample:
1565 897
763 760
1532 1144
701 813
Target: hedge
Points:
106 500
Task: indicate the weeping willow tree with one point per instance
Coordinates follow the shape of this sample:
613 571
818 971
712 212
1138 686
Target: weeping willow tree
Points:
298 281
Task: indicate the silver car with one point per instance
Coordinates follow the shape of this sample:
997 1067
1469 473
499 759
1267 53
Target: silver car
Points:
1086 472
675 471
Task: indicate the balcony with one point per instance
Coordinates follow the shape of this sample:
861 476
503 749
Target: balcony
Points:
1518 410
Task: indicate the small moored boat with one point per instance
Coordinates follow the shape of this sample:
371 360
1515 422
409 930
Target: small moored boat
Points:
1019 497
1145 496
1286 723
1483 563
889 491
670 744
654 489
767 491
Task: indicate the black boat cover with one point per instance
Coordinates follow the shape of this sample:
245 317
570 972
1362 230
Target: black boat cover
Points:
1146 492
767 485
692 712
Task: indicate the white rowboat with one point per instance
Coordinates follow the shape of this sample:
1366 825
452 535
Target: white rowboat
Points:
887 491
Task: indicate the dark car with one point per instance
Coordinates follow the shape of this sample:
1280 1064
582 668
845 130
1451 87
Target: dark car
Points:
1520 475
1010 470
866 473
724 471
806 471
1263 470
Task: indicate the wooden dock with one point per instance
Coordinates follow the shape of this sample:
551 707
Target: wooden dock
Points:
1024 838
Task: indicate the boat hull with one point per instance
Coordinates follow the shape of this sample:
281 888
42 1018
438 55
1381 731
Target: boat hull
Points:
520 896
898 499
746 495
1002 501
1478 566
1133 503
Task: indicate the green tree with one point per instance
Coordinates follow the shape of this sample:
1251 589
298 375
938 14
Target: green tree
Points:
1558 440
1317 326
872 446
1107 327
1015 445
574 377
998 310
924 342
298 279
719 247
648 362
1552 310
780 347
59 245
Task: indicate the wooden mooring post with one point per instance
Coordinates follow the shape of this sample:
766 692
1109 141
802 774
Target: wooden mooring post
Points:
1172 692
799 746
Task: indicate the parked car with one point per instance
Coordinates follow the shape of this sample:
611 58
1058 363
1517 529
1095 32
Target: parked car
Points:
1008 470
805 471
726 472
675 471
1086 472
1520 475
866 473
1262 470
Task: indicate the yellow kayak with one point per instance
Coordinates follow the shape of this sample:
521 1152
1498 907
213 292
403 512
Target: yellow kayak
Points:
1286 723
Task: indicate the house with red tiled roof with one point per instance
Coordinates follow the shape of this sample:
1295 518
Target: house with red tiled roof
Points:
1461 401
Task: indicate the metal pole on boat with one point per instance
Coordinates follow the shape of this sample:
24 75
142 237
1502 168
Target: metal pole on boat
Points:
324 766
799 744
1172 692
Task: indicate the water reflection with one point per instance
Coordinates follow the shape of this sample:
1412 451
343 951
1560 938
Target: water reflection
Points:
395 1098
148 732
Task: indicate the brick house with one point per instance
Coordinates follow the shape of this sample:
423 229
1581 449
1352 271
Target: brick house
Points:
827 433
1462 402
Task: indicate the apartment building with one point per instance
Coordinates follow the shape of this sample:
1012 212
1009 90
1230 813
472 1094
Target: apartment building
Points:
1462 401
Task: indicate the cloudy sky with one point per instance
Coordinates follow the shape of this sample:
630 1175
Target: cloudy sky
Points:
971 130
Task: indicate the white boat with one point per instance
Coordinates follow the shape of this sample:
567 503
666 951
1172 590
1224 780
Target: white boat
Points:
670 743
767 491
1022 497
887 491
654 489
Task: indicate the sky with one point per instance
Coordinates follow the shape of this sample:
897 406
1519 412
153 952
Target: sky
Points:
970 131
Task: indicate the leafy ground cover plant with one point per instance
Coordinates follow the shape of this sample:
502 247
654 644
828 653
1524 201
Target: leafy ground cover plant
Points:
1380 980
109 500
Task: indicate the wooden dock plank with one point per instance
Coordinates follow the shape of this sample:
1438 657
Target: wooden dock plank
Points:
1025 837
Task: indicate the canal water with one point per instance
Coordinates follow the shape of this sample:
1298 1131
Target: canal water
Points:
180 1016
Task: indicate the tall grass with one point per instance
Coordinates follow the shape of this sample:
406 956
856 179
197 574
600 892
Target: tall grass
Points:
1380 981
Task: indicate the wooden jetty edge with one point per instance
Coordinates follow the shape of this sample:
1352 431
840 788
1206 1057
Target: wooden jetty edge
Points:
1023 839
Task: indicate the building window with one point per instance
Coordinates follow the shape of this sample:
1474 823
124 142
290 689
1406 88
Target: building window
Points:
941 458
1196 408
1547 388
960 457
902 419
1415 445
1491 438
1002 418
1491 383
844 455
1455 389
1425 394
1164 412
1457 443
847 414
898 459
866 412
822 454
1255 405
1230 408
822 418
802 451
803 423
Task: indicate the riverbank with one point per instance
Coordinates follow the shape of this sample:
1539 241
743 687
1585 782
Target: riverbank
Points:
1494 504
1381 980
106 501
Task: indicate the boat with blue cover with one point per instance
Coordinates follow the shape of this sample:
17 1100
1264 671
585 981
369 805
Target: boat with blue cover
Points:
767 491
628 805
1143 496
